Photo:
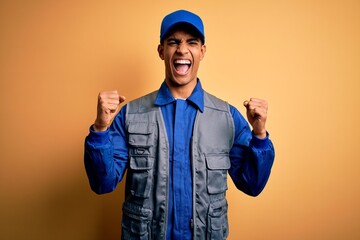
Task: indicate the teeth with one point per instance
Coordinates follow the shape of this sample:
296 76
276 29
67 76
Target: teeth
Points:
180 61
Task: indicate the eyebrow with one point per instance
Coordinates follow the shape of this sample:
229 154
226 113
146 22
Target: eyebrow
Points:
193 39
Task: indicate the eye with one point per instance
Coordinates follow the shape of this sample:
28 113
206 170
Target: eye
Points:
193 42
172 42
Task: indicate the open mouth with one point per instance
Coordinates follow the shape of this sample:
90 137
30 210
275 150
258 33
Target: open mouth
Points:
182 66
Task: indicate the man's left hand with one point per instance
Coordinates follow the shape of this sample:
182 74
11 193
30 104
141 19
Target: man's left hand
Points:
256 111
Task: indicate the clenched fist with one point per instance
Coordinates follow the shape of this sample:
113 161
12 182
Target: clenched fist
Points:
107 108
256 111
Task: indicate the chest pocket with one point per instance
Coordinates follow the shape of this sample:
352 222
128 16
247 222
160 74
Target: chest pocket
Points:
141 140
141 134
217 166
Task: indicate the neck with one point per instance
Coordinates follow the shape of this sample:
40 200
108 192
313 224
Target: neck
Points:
181 91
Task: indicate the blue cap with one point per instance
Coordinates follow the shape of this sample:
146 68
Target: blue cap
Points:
181 16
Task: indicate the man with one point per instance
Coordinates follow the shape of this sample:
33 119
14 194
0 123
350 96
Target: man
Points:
177 144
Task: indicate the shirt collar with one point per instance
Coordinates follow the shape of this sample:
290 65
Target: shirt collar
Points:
165 97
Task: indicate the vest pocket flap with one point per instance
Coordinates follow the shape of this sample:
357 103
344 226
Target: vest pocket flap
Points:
140 128
140 134
219 208
141 163
218 161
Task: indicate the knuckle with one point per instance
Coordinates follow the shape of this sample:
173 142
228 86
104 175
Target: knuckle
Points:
101 95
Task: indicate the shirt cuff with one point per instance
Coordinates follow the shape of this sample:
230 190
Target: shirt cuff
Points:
259 142
98 138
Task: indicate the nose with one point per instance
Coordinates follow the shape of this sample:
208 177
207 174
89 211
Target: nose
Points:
182 48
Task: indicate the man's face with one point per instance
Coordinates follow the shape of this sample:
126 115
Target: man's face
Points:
182 53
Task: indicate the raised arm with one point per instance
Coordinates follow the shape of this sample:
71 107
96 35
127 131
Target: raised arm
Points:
106 153
252 154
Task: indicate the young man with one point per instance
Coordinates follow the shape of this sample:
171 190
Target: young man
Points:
177 144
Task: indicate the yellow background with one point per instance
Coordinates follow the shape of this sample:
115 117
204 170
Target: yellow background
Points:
303 56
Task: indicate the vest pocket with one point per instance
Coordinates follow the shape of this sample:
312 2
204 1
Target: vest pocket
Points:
141 134
218 220
136 222
217 166
140 176
141 144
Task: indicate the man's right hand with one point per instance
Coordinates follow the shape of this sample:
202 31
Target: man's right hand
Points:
107 108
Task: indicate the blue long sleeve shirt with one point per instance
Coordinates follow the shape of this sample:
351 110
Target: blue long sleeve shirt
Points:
251 158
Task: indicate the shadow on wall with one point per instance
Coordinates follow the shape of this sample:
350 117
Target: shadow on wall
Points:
62 208
111 214
70 210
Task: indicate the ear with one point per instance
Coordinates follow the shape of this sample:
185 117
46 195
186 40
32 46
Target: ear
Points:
161 51
203 51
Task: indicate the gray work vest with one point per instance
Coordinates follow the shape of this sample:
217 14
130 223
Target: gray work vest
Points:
145 208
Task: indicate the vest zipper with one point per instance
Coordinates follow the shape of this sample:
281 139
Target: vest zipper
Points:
194 151
167 175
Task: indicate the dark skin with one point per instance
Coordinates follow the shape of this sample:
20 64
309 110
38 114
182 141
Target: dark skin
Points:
181 47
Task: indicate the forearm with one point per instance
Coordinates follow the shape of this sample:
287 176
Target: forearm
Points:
100 167
251 157
105 163
106 155
251 165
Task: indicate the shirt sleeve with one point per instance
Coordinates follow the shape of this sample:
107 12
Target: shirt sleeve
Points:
106 155
251 157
